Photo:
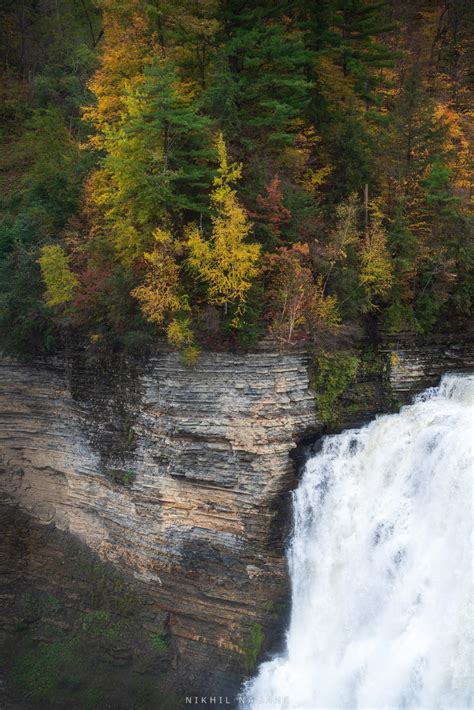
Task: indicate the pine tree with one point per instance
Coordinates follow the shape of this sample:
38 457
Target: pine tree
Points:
259 89
360 51
170 122
403 247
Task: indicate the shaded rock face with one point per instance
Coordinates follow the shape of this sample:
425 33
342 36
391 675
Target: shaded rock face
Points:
76 632
175 475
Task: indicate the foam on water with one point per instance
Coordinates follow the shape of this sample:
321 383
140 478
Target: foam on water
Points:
381 566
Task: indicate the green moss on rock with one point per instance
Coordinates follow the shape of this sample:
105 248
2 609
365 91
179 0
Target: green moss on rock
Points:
251 650
333 374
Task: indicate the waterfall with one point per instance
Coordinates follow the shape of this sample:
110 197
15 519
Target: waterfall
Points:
381 566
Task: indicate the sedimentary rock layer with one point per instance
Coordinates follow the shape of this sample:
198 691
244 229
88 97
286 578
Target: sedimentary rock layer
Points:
181 476
417 363
173 474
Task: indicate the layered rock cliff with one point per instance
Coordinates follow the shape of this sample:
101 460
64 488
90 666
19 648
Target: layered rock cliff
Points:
179 478
175 475
417 363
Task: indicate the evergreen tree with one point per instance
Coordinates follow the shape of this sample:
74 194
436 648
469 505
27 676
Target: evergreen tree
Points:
259 90
155 163
326 103
169 120
359 50
403 247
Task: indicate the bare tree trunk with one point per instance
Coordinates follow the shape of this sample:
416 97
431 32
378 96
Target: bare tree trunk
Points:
60 23
366 207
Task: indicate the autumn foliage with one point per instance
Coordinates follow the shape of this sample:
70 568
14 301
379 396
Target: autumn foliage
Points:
227 262
159 294
214 173
297 307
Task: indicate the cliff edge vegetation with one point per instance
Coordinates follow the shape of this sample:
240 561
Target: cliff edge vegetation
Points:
220 171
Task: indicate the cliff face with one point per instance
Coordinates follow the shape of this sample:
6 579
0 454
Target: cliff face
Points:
175 475
416 364
179 478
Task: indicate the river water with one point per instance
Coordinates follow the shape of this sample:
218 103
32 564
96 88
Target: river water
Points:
381 565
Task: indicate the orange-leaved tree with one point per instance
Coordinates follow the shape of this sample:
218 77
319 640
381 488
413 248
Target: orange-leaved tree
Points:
271 211
297 304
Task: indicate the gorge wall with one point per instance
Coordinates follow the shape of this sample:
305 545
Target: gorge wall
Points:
416 363
177 477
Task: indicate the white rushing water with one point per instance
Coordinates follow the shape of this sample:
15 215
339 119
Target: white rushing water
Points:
381 566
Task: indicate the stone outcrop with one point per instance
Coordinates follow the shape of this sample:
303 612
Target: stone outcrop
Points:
416 364
175 475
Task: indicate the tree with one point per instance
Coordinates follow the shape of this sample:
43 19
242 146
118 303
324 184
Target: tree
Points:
227 263
160 295
335 255
175 133
259 89
60 281
128 45
359 50
404 248
155 163
26 326
322 101
348 64
162 299
447 265
48 192
376 270
271 212
297 305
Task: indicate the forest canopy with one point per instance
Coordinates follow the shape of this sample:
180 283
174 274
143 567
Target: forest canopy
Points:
214 172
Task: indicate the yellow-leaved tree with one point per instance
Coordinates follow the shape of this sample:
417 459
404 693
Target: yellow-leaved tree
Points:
159 294
61 283
128 46
227 263
376 268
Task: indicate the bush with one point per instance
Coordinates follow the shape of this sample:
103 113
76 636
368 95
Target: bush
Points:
159 643
121 477
334 372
